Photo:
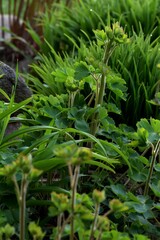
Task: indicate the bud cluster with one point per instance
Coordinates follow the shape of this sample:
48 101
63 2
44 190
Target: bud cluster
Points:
116 33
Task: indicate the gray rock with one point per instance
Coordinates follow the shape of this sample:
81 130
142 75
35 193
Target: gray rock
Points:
8 82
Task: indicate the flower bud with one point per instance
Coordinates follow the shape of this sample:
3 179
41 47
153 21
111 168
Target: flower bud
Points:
9 231
117 206
98 196
109 32
34 173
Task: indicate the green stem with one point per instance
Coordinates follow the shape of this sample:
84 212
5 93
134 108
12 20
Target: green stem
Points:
17 190
59 222
100 92
154 156
94 225
22 201
61 230
74 183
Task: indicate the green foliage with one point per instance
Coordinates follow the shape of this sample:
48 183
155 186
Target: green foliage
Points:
74 162
137 64
141 20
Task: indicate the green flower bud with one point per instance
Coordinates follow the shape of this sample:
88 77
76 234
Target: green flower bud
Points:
34 173
25 163
71 84
60 201
109 33
84 154
9 170
9 231
103 223
98 196
117 206
36 231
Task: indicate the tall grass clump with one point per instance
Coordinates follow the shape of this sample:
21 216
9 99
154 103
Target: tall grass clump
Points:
59 21
137 15
137 63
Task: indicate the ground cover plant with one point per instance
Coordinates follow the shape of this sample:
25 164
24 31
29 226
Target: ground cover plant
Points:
85 162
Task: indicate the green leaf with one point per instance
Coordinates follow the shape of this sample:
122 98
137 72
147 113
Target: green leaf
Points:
117 150
156 188
157 167
81 71
157 206
138 177
143 123
12 109
116 84
111 107
140 237
82 125
155 123
119 190
48 164
99 164
105 159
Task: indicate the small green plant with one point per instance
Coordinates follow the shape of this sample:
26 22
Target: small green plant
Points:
7 232
23 166
109 39
80 207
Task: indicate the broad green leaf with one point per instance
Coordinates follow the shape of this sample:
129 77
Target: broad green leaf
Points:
116 84
139 207
140 237
138 177
81 71
48 164
111 107
143 123
155 123
119 190
156 188
82 125
157 167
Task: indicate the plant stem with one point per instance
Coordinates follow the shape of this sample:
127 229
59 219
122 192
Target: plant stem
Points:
74 183
94 225
22 206
100 92
59 222
17 190
61 230
154 156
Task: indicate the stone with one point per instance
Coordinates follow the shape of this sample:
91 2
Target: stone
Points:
8 81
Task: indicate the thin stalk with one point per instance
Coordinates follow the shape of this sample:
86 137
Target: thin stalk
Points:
101 90
94 225
61 230
154 156
100 235
24 185
59 223
17 190
74 183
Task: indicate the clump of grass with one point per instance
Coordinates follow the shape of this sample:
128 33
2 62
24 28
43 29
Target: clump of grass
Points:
137 63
